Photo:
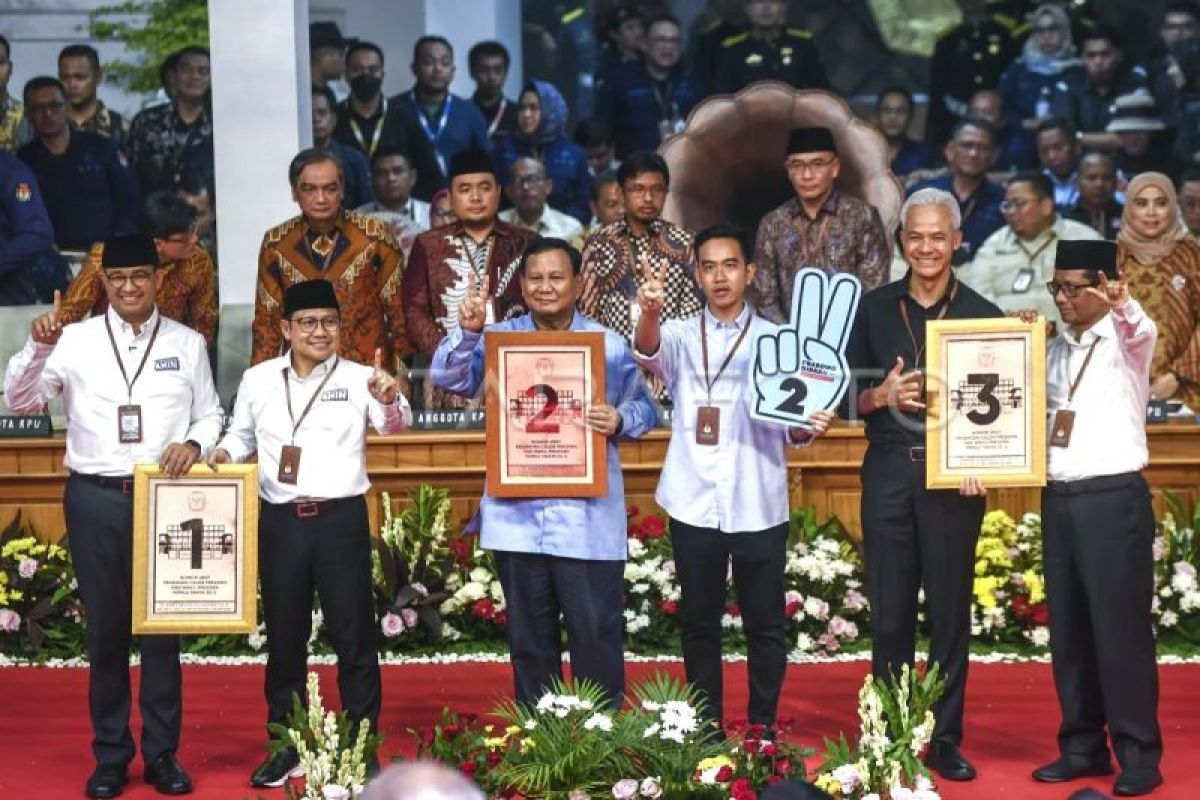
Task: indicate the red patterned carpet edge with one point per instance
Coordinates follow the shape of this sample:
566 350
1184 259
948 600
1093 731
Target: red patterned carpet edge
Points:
1010 727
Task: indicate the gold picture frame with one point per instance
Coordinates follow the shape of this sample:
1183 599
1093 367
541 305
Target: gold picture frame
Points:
195 550
986 402
538 387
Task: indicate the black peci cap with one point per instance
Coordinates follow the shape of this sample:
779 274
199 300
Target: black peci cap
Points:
810 140
317 293
1087 254
471 162
129 251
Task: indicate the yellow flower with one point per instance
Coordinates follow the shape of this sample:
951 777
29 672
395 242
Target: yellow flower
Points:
828 784
983 591
15 594
511 729
495 742
714 761
527 744
1036 585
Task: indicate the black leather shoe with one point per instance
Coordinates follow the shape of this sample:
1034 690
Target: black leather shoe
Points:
276 769
167 776
948 762
1072 766
107 781
1134 782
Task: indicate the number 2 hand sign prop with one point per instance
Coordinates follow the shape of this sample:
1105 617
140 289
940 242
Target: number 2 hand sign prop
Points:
800 368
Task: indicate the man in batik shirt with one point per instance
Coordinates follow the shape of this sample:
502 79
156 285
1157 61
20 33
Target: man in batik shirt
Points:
621 256
14 130
173 140
355 253
81 75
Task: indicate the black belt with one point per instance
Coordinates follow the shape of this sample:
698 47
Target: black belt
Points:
1103 483
313 508
911 453
122 482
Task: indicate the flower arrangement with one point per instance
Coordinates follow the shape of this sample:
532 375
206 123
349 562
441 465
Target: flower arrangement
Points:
896 719
412 561
756 758
1176 604
333 758
1010 593
40 611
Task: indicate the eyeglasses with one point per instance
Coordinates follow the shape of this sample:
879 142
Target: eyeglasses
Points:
309 324
139 278
653 191
810 166
1071 290
1009 206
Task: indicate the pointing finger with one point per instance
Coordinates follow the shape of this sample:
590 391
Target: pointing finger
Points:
57 300
378 359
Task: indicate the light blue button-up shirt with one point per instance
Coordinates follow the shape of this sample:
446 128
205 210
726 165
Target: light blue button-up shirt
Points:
589 528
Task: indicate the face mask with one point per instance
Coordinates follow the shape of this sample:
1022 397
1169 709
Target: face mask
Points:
365 86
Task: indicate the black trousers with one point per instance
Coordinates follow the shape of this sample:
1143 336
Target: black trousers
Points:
586 595
100 536
702 557
916 536
1098 537
330 552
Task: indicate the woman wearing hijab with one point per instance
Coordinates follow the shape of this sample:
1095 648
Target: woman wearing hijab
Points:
541 133
1161 263
1029 82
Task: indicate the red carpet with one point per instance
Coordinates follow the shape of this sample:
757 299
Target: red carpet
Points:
1011 720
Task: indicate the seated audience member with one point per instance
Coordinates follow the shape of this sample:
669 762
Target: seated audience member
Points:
1098 205
608 203
187 290
650 100
441 209
89 194
1143 144
1189 201
970 153
393 178
541 133
30 268
168 141
596 140
893 115
199 196
81 76
354 164
527 189
820 227
1013 149
1088 104
451 124
1015 262
1058 153
488 63
1161 265
1028 84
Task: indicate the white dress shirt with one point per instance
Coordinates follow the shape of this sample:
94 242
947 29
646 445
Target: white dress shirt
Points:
552 223
331 438
175 390
740 483
1109 437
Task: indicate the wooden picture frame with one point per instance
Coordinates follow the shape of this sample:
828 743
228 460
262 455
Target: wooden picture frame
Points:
538 386
195 550
986 402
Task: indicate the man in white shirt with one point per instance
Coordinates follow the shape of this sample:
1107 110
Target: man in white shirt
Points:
392 178
138 389
1014 263
724 483
305 413
1098 526
528 187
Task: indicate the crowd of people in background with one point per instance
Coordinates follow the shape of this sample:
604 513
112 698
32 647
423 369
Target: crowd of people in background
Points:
1039 118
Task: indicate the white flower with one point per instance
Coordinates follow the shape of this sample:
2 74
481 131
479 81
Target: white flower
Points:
1190 601
816 607
792 596
473 591
27 568
650 787
804 643
639 588
1040 636
902 793
481 575
409 617
331 791
392 625
730 621
450 633
925 794
848 776
837 626
256 640
923 784
636 550
854 600
10 620
601 722
625 789
530 724
1169 619
449 606
420 589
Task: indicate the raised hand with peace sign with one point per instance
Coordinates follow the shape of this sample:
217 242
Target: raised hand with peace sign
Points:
800 368
652 293
472 313
48 327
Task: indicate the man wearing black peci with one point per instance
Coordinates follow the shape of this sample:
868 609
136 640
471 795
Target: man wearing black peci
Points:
915 536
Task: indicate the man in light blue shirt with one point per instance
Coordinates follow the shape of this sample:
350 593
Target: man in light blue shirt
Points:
724 482
557 556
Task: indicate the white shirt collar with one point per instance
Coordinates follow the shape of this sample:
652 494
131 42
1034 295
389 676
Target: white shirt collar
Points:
1102 329
739 322
319 371
119 325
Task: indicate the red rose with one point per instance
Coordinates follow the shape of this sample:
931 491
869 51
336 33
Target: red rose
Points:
791 608
724 774
493 758
783 767
756 730
467 768
740 785
653 527
669 607
450 731
768 749
733 610
427 736
750 745
484 609
633 512
501 618
1040 614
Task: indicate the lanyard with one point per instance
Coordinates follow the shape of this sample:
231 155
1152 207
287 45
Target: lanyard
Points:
919 351
370 144
499 116
811 253
431 133
1079 376
145 356
1033 256
287 390
709 384
667 108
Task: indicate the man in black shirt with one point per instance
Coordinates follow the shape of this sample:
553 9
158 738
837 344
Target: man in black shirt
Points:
914 535
1098 205
768 49
488 63
355 171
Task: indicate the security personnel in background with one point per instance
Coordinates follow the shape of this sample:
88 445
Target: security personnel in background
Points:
138 389
707 36
768 50
967 57
305 413
30 268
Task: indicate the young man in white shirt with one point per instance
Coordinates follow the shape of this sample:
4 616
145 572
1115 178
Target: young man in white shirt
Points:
724 482
138 389
305 413
1098 525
